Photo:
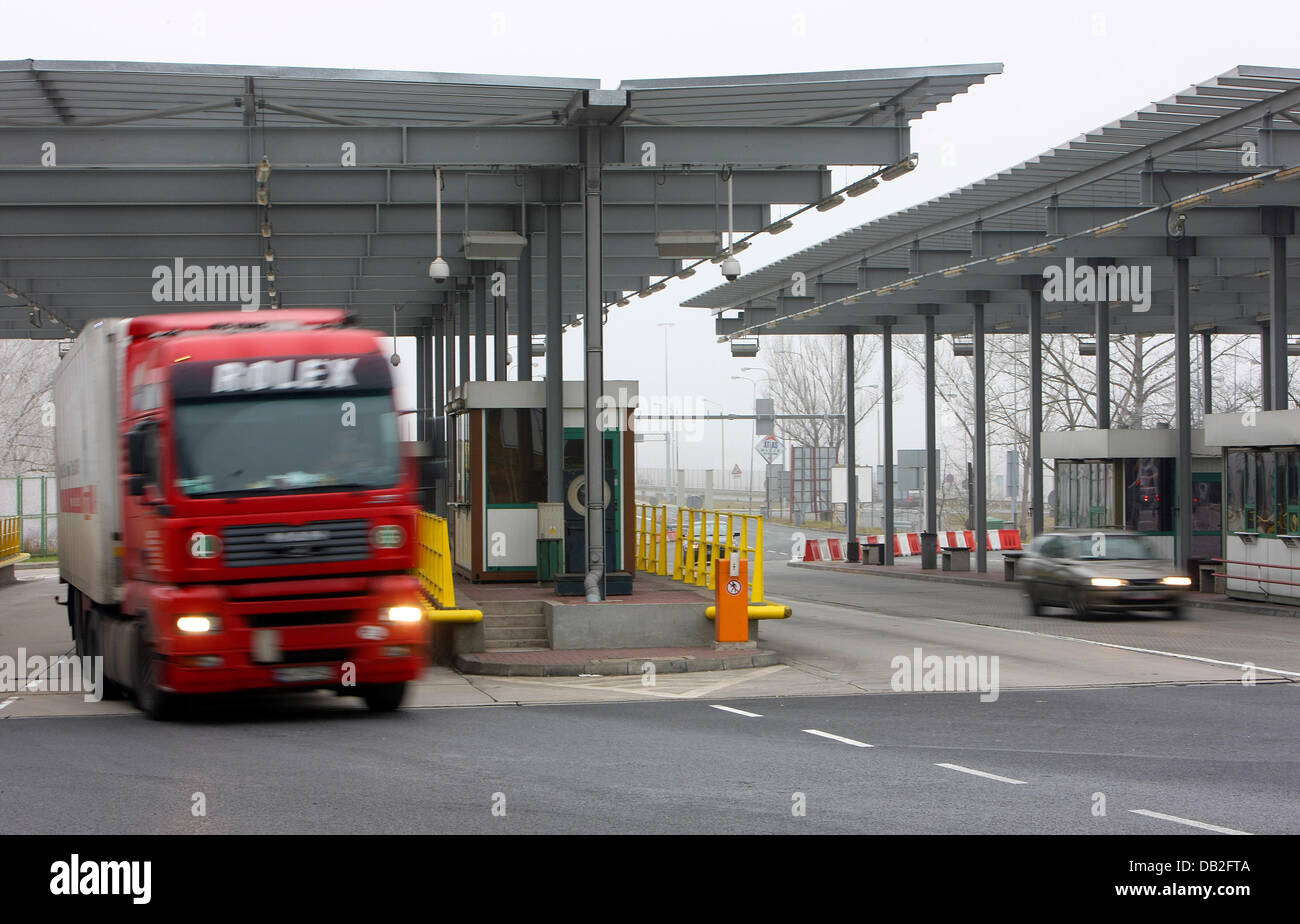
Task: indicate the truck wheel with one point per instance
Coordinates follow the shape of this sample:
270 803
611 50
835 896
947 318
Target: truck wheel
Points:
92 632
153 702
383 697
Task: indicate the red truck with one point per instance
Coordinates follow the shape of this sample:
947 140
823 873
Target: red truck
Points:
234 509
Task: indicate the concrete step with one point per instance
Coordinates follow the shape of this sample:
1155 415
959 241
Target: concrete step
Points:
511 607
502 632
524 644
532 620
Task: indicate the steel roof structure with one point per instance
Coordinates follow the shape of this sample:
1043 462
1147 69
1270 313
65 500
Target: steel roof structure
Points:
1192 199
109 170
1112 197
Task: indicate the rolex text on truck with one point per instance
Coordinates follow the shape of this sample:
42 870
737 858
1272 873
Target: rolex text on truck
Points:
239 514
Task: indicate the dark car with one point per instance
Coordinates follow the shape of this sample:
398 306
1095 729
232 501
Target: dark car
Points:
1099 571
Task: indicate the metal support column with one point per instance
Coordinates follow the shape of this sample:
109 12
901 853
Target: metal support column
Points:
422 379
1036 410
1102 309
1207 374
980 526
500 333
850 447
462 337
554 357
1182 413
887 395
480 330
1265 368
524 309
439 385
594 367
931 453
1277 327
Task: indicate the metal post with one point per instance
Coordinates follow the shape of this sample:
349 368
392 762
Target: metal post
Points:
422 376
980 526
1102 310
594 370
1183 413
480 330
463 338
850 447
500 334
554 357
930 546
524 308
887 373
1036 410
1207 376
1265 368
1277 325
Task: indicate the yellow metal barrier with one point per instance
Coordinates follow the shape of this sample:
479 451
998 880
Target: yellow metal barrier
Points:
685 549
433 568
11 536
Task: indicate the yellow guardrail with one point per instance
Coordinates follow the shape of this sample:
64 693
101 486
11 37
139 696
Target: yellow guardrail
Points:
11 536
682 542
433 568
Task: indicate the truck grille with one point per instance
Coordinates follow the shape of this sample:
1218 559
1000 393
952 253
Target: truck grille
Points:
311 656
279 620
262 544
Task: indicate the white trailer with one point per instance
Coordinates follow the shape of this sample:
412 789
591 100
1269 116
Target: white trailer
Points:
88 460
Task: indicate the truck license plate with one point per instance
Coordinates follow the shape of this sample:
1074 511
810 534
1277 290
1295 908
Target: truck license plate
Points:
304 674
266 646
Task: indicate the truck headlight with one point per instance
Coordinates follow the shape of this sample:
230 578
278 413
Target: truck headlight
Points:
387 537
197 625
1177 581
1107 582
402 614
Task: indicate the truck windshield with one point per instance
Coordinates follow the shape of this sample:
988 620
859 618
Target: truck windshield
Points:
278 445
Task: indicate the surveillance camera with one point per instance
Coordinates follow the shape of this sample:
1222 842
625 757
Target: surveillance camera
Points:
395 359
439 270
731 269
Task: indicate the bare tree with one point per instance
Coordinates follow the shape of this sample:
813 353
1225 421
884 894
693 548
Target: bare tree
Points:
26 422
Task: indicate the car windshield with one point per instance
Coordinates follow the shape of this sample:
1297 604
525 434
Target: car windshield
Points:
1111 546
278 445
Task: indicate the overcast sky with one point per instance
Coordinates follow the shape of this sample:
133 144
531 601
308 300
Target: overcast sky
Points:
1068 68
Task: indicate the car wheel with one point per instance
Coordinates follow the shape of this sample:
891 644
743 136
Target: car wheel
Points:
383 697
1032 606
157 704
1176 612
1079 604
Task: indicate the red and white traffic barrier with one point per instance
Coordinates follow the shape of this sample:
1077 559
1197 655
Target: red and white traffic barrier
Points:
909 544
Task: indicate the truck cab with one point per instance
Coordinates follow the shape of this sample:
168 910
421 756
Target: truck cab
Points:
260 525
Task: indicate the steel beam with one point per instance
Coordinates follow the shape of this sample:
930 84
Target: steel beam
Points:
593 327
887 396
1102 310
463 330
1207 373
850 442
981 446
931 451
500 335
554 280
1183 413
524 310
1036 410
1277 286
480 329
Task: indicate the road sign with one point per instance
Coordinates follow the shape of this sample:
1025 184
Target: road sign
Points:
735 471
770 448
733 588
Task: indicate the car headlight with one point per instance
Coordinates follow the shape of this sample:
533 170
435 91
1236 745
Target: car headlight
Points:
402 614
1107 582
198 625
1177 581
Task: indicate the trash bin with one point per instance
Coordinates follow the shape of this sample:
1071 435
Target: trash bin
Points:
854 552
929 551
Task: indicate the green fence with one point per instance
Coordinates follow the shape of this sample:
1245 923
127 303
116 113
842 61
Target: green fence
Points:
33 499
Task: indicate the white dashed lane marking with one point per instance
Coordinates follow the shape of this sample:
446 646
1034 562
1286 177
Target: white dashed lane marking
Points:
750 715
1187 821
989 776
822 734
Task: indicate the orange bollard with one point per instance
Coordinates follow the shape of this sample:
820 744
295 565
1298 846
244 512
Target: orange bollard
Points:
731 601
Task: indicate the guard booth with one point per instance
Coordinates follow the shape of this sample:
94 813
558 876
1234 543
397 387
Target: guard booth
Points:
498 513
1261 522
1125 479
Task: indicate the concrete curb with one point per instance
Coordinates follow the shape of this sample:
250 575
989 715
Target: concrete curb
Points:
1235 606
487 664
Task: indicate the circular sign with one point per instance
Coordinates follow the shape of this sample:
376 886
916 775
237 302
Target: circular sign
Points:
733 588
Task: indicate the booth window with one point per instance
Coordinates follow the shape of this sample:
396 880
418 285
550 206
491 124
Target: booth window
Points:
1235 472
1148 495
516 455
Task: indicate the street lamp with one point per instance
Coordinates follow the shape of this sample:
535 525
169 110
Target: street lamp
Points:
753 437
671 445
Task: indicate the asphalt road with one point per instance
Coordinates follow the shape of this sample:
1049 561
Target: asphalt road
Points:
1145 718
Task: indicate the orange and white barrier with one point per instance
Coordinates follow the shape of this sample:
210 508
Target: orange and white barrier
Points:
909 544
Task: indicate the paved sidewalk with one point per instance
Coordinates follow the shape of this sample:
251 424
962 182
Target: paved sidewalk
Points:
610 661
